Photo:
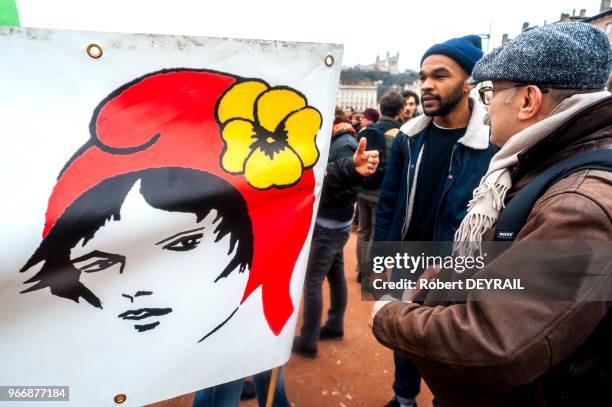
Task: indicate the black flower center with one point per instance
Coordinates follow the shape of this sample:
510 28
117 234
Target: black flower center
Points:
270 143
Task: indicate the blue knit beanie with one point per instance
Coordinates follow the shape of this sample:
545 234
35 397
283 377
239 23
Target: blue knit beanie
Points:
466 51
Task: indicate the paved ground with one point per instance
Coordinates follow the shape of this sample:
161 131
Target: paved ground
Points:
356 371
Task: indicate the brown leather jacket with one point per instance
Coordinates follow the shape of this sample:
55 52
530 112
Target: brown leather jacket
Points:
522 353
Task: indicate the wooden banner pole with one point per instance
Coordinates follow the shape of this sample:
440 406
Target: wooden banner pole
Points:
272 387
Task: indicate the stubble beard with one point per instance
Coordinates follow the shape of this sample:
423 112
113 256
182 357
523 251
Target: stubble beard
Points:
446 104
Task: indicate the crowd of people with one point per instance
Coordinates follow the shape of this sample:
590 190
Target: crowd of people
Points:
530 125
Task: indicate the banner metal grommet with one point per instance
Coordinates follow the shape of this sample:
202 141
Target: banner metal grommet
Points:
95 51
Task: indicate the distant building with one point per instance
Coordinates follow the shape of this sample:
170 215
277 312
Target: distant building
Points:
603 20
566 17
359 97
389 64
414 86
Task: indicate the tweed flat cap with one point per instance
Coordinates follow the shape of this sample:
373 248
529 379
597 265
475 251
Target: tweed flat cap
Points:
559 56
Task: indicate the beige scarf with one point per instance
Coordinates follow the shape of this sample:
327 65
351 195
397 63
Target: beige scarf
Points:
488 198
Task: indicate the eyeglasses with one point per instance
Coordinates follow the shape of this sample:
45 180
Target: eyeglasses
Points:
487 93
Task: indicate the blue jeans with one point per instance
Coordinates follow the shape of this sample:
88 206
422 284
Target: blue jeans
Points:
367 223
407 382
325 261
228 394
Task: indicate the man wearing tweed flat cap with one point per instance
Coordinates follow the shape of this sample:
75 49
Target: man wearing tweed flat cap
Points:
550 182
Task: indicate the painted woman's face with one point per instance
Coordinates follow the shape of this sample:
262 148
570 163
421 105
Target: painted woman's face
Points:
156 271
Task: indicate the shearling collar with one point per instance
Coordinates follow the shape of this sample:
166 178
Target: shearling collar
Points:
477 133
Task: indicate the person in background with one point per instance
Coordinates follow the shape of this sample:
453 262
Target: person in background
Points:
436 162
368 117
348 164
380 137
356 121
229 394
348 113
411 108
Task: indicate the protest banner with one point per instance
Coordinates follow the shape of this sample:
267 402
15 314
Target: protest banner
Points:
158 202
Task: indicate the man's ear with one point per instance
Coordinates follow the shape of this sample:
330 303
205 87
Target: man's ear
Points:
467 87
530 103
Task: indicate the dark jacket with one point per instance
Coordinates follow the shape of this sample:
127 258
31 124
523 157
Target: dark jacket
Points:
341 181
382 130
469 162
527 352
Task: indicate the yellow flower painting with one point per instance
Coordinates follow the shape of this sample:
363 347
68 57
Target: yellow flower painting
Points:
269 133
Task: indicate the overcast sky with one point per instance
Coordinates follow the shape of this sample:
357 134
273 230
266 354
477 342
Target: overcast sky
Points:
366 28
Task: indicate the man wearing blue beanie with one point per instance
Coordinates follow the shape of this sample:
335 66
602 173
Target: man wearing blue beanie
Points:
436 161
466 51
